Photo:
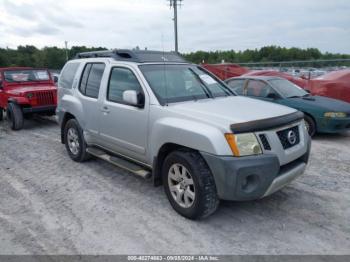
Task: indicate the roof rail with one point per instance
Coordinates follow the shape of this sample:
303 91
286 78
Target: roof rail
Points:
139 56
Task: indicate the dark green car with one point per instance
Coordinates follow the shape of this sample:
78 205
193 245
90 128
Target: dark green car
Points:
322 114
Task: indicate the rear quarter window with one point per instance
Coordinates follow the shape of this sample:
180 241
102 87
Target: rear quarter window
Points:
67 75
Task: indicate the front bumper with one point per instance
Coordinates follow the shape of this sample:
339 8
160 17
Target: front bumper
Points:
333 125
253 177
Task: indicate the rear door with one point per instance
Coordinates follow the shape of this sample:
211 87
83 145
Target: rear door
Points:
88 89
123 128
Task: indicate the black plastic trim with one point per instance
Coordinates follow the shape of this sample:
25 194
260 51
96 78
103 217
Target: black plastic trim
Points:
39 109
266 124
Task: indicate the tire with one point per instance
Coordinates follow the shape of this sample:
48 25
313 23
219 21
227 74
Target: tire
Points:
74 141
14 116
310 125
197 191
1 114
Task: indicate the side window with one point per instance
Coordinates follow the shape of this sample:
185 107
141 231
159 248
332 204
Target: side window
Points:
237 86
84 78
91 79
121 79
258 88
67 75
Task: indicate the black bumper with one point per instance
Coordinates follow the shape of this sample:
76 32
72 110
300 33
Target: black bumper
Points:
252 177
39 109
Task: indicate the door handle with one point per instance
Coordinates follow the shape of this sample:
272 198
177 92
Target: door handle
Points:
105 109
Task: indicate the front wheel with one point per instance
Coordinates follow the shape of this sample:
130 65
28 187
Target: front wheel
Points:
310 125
14 116
189 184
74 141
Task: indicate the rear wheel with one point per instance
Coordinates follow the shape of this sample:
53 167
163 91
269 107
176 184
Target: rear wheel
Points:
14 116
310 125
189 184
74 141
1 114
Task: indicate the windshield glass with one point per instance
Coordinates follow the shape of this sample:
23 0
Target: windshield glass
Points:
26 75
177 83
287 88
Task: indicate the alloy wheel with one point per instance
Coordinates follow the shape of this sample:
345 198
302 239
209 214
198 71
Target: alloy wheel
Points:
181 185
73 141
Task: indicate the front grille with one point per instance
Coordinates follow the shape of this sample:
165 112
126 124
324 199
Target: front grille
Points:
44 98
264 142
289 137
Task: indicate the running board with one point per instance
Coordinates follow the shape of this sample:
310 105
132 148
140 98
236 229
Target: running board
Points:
120 162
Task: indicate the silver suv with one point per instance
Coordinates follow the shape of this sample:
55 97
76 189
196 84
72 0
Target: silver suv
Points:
159 117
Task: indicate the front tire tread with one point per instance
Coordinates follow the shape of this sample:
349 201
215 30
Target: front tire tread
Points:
208 200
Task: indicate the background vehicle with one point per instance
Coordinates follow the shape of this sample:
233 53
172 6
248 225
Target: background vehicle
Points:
25 91
156 115
322 114
334 84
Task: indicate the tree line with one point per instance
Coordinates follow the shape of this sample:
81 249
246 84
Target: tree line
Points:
47 57
264 54
55 58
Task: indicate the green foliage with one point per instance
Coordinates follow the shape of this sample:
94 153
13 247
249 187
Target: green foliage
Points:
48 57
55 58
264 54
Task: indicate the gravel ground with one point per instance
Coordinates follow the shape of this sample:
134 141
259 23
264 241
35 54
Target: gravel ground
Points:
52 205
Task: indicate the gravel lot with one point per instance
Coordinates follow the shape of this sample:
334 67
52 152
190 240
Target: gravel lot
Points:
50 204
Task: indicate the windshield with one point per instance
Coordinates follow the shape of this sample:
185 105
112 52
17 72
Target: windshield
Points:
26 75
177 83
287 88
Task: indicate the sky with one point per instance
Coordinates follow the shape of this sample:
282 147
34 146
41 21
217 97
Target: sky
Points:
203 24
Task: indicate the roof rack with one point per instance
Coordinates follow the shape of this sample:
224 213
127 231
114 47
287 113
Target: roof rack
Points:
139 56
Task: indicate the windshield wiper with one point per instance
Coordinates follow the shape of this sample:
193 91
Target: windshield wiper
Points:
204 87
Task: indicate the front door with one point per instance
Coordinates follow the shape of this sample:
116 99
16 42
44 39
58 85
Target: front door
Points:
123 127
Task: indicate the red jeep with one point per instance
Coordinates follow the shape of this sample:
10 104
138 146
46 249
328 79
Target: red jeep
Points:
25 91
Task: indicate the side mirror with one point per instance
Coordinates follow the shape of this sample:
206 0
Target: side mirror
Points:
133 98
307 91
55 79
272 96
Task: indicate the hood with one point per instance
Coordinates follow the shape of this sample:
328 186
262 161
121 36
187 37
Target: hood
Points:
323 103
229 110
25 89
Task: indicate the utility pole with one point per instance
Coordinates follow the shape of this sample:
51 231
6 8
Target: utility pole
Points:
174 4
66 44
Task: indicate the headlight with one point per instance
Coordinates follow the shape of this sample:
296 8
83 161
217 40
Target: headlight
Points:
334 114
243 144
